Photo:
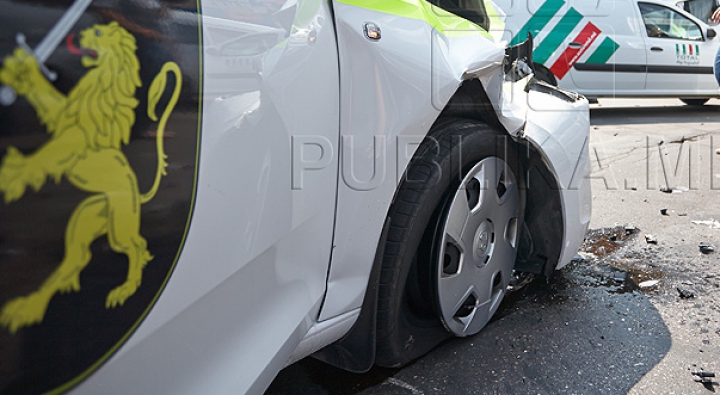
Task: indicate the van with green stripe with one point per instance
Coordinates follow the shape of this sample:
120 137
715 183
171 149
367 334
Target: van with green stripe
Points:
624 48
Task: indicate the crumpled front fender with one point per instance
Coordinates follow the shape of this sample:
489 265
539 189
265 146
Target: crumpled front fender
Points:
557 124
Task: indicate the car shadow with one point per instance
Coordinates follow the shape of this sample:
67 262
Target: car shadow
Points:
585 331
600 115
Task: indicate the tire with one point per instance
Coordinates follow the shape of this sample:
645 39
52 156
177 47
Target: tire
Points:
419 302
694 102
544 74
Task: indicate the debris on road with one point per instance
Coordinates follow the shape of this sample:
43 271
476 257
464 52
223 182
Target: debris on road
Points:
685 294
706 378
606 241
619 276
648 283
711 223
674 190
703 374
663 211
650 239
706 248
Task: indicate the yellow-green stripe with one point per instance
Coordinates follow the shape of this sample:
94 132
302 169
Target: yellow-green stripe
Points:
444 22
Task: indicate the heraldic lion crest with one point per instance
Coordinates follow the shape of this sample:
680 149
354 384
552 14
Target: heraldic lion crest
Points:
87 128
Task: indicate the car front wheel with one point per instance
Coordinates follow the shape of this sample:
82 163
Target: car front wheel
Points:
452 241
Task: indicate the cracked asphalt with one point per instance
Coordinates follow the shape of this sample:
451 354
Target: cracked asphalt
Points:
637 311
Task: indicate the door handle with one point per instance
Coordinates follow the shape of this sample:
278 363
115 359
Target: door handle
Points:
656 49
575 45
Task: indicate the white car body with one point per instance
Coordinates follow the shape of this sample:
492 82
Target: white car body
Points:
607 48
301 146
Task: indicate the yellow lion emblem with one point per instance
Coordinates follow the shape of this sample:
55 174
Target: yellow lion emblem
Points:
87 128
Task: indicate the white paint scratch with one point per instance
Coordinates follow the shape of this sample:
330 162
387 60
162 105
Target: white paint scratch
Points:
405 385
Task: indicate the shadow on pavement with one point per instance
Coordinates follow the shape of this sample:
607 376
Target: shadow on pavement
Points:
600 115
587 332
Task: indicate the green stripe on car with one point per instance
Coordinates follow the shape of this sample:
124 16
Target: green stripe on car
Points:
497 24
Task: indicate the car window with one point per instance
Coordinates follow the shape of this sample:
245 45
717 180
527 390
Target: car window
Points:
664 22
701 9
472 10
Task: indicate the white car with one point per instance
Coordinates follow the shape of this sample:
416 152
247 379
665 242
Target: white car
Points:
622 48
359 180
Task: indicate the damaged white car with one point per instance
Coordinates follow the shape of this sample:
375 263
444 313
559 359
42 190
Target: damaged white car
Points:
197 194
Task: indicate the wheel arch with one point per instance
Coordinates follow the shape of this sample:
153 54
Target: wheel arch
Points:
542 229
543 225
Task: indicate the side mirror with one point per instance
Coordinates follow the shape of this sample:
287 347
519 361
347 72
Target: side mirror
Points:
711 33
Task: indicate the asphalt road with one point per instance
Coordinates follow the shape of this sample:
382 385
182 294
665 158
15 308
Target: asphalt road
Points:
636 313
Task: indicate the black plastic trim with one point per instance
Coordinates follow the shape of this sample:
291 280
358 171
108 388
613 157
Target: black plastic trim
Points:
639 68
355 352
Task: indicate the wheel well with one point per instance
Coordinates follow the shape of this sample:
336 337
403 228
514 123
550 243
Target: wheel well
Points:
543 230
540 239
471 101
542 233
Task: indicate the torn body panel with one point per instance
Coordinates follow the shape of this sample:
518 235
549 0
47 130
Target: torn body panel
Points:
556 124
552 129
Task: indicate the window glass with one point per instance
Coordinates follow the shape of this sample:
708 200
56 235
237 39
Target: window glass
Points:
664 22
472 10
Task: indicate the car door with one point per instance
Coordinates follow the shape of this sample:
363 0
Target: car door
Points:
251 277
679 58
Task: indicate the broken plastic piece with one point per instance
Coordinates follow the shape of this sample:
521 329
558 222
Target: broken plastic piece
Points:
685 294
706 248
703 373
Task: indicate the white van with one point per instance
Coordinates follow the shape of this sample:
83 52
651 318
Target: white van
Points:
623 48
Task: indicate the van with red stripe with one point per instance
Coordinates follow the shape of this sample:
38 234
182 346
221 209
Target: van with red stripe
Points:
626 48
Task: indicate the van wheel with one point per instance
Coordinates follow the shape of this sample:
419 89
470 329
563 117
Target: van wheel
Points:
544 74
694 102
452 240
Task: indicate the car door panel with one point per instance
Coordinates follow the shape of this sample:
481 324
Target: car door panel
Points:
247 287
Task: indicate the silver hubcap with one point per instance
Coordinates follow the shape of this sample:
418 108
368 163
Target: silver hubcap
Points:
479 246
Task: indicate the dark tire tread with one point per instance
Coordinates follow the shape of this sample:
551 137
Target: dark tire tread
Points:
401 337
